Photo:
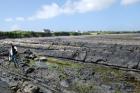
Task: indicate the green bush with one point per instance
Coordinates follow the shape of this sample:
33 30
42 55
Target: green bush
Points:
61 33
75 33
23 34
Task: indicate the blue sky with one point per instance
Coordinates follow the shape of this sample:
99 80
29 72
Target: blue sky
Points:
67 15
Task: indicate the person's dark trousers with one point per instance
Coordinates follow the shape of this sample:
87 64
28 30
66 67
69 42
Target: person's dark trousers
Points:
14 59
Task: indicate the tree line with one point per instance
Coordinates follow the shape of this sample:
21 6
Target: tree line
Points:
23 34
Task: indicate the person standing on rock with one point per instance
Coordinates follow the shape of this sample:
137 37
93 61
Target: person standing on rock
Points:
13 55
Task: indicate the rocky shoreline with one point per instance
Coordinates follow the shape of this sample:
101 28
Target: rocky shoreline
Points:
75 65
89 52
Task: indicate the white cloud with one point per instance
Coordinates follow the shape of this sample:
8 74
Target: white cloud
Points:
82 6
70 7
9 19
47 11
20 18
15 27
14 19
129 2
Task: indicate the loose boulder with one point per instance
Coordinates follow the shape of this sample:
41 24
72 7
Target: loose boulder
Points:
30 88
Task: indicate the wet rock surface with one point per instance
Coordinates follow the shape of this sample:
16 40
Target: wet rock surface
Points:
86 49
4 87
75 65
73 77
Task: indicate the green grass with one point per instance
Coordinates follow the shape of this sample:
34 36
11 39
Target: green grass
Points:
84 88
63 63
105 73
108 71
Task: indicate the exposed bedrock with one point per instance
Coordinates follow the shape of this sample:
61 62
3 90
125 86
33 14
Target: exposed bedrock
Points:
109 54
119 55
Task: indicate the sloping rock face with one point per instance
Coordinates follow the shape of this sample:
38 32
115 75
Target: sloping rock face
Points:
101 49
109 54
4 87
76 77
116 55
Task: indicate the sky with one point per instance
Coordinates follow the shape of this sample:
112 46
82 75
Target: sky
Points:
70 15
